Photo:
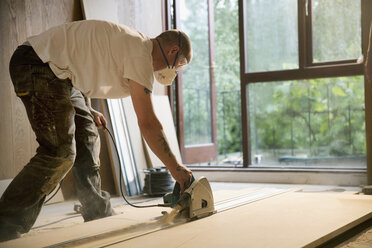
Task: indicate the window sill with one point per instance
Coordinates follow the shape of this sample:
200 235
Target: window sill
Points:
277 169
300 176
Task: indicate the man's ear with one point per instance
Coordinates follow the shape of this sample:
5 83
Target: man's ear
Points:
173 50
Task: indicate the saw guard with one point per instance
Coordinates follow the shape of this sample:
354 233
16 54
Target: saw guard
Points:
201 198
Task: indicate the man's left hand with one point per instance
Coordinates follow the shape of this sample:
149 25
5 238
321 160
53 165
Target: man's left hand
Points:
99 118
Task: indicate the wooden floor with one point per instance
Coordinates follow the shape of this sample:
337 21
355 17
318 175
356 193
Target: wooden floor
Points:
291 219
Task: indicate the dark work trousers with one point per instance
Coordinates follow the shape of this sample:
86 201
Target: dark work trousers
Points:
67 137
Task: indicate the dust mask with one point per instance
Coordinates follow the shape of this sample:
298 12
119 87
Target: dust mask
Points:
168 74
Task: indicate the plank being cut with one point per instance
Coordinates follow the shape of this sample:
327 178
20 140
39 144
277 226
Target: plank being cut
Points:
131 224
288 220
58 237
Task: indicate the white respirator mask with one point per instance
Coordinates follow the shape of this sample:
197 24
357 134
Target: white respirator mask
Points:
166 75
169 73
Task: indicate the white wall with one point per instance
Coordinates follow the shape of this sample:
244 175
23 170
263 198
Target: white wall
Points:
143 15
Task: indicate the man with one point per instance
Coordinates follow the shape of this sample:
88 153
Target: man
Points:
51 72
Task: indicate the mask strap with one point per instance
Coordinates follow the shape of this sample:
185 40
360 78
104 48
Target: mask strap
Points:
179 47
163 53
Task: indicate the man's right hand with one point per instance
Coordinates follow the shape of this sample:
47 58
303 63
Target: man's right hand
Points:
183 176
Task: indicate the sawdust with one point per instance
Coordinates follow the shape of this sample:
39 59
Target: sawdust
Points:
129 232
169 218
364 240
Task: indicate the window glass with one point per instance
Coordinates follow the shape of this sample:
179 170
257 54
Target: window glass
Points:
317 122
227 76
196 76
271 35
336 29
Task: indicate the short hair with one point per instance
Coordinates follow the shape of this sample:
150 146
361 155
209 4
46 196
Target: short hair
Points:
170 38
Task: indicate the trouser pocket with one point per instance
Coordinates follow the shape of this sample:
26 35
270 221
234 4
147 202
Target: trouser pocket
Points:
22 79
21 65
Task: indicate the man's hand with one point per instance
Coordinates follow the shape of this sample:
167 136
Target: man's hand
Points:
183 176
99 118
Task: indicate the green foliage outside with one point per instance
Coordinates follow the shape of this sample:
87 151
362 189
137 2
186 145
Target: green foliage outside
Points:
321 116
227 76
196 79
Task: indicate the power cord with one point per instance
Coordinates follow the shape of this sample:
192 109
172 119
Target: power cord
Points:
59 187
120 178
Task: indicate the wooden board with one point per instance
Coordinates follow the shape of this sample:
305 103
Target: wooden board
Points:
288 220
15 147
294 219
141 219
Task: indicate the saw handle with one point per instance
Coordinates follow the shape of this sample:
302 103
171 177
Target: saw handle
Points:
177 187
173 198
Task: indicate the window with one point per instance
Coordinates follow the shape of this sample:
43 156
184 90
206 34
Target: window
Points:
303 95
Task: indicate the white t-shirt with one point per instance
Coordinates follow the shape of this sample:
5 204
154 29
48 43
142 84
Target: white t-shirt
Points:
98 56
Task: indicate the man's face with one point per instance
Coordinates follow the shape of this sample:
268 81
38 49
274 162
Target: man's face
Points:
181 63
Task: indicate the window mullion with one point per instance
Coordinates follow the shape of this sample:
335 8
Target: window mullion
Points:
301 5
309 33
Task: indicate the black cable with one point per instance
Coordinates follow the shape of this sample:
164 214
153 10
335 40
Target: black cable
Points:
120 178
59 187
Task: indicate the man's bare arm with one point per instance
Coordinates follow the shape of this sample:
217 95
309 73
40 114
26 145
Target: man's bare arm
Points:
154 135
